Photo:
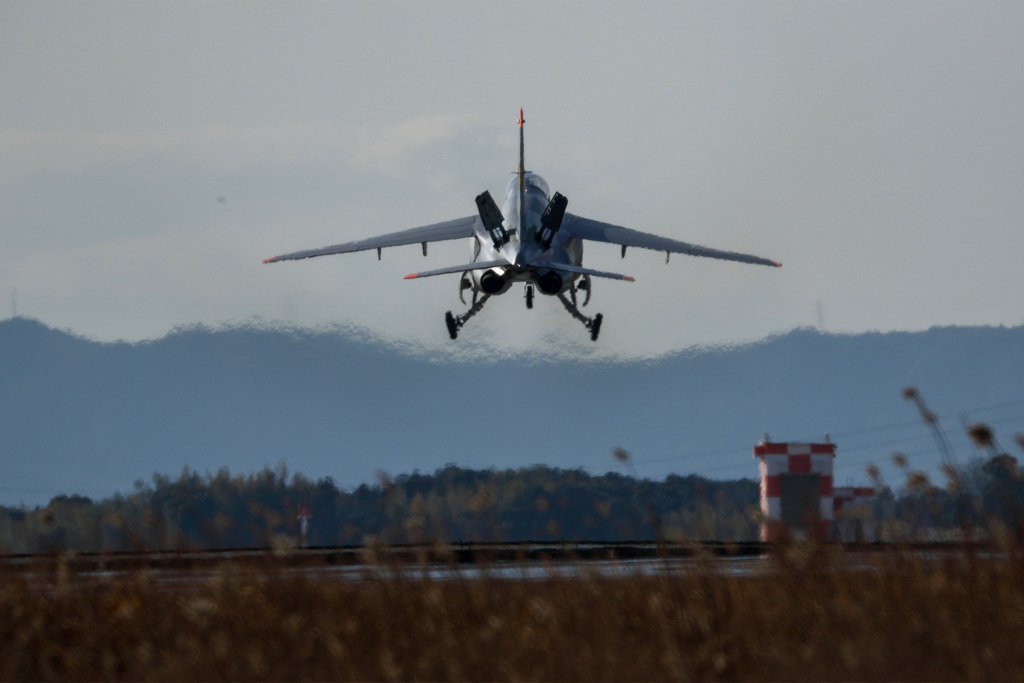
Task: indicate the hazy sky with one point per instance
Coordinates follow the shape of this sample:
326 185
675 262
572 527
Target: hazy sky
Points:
152 154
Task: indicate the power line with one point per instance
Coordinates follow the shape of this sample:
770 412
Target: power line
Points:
703 454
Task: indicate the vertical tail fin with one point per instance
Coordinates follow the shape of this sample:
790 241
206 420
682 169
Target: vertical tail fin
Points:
522 178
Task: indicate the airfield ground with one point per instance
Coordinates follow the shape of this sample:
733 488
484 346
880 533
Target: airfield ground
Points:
809 612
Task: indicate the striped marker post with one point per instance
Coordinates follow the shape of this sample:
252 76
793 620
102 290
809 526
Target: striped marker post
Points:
789 509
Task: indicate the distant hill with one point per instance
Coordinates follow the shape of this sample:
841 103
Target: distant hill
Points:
78 416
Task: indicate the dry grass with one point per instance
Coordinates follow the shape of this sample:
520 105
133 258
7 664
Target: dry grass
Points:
812 616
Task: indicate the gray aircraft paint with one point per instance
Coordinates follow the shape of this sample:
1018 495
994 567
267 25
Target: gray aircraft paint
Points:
522 258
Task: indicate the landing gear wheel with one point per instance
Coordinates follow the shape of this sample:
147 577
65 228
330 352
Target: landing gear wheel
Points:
595 327
529 296
592 324
455 322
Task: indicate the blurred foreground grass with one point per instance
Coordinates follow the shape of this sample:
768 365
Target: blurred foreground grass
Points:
812 614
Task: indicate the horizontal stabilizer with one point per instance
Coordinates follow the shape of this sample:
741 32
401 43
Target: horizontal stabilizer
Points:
479 265
582 271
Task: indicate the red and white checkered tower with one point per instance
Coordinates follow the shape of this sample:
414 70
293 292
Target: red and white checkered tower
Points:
796 489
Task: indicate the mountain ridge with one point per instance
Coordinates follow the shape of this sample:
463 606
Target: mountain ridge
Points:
80 416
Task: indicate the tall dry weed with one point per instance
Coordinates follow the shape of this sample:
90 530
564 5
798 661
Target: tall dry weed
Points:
807 613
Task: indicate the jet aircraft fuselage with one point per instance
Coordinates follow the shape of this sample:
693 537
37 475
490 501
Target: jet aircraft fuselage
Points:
531 239
523 247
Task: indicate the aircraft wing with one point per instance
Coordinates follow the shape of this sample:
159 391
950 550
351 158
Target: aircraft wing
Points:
587 229
437 232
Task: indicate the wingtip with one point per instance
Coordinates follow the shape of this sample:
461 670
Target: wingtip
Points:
411 276
270 260
776 264
628 278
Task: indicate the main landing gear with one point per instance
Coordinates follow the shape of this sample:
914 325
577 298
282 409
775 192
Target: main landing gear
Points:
592 324
455 322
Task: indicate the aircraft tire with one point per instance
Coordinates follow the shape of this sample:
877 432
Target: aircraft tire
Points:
595 327
449 321
529 297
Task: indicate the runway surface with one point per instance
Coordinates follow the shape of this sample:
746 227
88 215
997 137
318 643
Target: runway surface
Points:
504 562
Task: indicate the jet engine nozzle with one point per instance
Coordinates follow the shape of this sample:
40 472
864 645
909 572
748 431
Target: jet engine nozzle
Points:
550 283
491 282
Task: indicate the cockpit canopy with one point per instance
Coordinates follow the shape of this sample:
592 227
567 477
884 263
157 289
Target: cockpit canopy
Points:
532 180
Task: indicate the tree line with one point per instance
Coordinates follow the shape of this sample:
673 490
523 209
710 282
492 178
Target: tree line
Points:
451 504
455 504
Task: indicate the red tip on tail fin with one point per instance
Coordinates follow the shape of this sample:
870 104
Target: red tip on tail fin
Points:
521 120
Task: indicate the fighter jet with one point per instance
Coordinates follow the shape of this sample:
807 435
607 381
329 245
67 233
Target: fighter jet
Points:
531 239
